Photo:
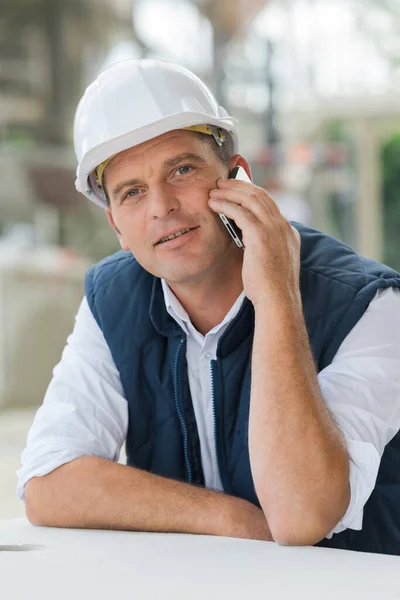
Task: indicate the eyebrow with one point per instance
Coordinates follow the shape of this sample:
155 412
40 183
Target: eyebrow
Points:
175 160
170 163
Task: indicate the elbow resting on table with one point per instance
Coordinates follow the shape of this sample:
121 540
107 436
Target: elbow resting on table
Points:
298 536
305 533
305 527
40 508
32 505
307 516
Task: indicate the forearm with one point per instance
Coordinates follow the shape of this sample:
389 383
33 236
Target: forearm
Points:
299 460
95 493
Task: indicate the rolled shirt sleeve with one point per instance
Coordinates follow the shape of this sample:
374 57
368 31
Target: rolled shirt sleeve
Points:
84 412
361 388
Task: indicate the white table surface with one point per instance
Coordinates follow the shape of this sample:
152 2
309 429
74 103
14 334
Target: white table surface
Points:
71 564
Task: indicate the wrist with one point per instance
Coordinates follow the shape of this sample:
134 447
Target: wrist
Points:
214 514
226 516
278 301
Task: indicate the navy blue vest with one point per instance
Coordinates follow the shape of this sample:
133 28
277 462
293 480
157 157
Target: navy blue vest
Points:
149 350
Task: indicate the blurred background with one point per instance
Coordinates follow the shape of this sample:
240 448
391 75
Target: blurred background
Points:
314 84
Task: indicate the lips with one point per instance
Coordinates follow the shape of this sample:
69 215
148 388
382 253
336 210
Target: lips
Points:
174 234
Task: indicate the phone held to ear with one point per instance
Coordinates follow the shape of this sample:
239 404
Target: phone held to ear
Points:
231 227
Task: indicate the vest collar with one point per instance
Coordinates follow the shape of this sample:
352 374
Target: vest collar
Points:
240 328
237 331
159 316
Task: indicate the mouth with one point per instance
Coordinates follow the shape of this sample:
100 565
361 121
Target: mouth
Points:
177 234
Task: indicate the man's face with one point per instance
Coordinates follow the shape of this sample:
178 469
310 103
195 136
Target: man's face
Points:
161 187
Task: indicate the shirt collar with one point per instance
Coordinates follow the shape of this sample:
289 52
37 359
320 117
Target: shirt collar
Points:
179 314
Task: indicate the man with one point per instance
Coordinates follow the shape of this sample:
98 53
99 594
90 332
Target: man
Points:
270 373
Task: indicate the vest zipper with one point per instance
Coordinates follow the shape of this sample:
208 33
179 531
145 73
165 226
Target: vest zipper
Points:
216 444
179 412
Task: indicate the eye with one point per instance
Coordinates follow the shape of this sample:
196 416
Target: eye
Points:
184 170
133 193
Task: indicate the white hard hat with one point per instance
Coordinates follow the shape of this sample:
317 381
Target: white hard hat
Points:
134 101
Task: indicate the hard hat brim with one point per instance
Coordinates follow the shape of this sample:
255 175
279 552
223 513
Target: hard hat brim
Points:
86 184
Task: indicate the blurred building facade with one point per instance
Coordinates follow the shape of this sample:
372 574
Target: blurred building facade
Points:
318 84
49 50
314 85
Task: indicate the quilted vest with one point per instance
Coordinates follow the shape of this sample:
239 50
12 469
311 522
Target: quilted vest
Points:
149 350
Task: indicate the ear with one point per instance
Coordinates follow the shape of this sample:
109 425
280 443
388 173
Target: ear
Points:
117 231
239 161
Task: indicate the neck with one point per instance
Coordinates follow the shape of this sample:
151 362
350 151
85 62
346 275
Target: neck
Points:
208 303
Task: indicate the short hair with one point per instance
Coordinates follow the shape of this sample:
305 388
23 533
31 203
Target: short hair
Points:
224 154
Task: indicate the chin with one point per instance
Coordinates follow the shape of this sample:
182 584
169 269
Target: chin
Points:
187 275
180 278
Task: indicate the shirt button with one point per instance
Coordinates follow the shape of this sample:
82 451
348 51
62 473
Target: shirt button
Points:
208 356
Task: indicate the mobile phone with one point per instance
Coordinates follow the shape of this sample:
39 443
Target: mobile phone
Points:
231 227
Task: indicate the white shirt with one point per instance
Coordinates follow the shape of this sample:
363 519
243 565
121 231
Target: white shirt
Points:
85 411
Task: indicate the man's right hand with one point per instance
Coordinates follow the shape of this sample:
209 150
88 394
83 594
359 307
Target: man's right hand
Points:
95 493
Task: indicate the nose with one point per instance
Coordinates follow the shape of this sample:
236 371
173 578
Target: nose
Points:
161 202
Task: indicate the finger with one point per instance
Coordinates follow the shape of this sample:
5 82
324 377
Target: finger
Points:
246 198
241 215
264 197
